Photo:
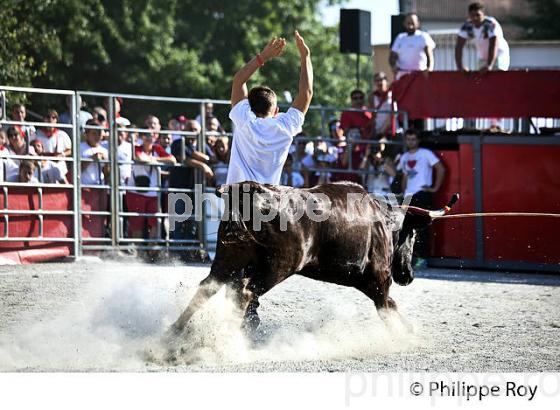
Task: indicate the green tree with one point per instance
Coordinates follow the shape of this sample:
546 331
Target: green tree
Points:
166 47
543 24
22 44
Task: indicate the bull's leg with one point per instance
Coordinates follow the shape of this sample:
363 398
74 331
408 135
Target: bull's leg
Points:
251 319
385 305
207 288
253 284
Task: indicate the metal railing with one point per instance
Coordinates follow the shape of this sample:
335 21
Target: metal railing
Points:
40 213
114 237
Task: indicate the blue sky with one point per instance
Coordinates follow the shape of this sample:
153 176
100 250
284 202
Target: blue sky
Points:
381 11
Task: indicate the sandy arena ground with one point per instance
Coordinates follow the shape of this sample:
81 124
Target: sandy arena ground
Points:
110 316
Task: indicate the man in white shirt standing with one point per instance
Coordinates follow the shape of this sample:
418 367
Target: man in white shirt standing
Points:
412 50
418 166
262 137
488 37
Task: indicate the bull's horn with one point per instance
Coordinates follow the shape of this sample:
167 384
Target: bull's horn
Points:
436 213
446 208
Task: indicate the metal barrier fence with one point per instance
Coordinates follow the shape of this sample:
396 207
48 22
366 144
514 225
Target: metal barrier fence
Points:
114 214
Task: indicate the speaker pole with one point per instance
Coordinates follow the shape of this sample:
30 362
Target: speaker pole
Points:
357 70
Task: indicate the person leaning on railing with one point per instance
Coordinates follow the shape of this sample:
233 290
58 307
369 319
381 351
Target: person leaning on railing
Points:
93 173
16 146
51 172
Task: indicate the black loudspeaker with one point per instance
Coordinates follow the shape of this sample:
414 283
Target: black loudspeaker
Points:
396 26
355 31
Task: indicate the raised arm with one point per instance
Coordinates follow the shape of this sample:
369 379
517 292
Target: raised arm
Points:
239 85
305 92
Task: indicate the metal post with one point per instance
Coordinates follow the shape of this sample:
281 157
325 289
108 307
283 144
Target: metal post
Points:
3 102
114 175
405 120
323 121
478 205
76 189
41 220
357 70
6 217
202 145
158 208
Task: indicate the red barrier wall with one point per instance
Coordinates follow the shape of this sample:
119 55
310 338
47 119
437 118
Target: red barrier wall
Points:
54 226
521 178
455 238
475 95
515 178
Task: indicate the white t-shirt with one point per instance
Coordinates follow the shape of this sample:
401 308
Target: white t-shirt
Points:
124 153
418 168
93 174
481 36
410 49
57 143
260 145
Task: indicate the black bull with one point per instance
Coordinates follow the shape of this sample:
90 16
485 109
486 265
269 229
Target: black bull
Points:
364 243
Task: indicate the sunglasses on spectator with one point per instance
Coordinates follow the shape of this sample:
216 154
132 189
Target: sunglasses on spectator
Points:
357 97
12 135
50 117
335 126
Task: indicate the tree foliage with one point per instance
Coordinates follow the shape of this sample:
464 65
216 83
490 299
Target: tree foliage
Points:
181 48
543 24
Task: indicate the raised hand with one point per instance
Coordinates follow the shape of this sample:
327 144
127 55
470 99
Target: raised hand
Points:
274 48
302 47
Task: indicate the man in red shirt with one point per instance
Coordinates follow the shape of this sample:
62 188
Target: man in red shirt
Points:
356 125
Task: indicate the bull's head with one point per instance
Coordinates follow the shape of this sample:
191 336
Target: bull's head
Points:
415 219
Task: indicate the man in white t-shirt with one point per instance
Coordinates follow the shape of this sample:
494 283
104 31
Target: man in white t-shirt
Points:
93 173
488 37
418 165
262 137
412 50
